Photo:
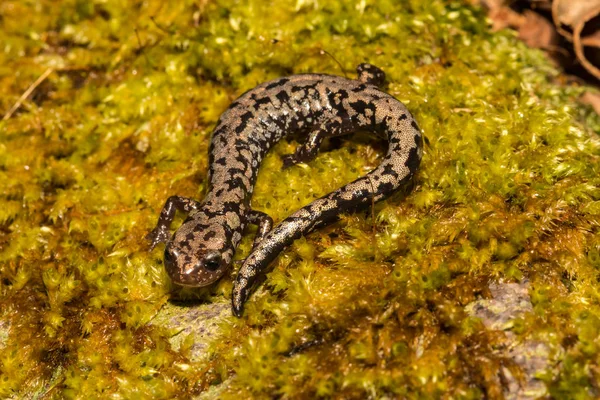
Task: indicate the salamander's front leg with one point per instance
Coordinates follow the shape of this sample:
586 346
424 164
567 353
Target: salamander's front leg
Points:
264 222
161 232
306 151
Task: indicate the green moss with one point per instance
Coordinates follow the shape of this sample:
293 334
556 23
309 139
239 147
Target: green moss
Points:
372 306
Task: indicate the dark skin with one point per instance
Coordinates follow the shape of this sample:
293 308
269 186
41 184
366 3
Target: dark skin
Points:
320 106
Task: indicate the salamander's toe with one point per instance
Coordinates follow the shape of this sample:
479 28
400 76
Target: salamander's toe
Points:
237 309
289 160
238 296
156 236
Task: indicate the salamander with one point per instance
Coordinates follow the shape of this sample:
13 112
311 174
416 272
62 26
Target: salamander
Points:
316 106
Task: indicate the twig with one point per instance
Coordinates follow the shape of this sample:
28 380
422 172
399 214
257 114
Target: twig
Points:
26 94
323 51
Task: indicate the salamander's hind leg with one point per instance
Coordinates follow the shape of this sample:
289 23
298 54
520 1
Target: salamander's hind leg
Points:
161 232
306 151
368 73
264 222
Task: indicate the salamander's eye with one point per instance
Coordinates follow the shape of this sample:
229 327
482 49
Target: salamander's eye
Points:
212 261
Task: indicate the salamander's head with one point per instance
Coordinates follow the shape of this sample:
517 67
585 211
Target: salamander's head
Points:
201 250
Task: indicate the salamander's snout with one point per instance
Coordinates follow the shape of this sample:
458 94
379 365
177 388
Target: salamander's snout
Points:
193 270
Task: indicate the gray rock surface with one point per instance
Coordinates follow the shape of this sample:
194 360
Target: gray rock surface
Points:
511 301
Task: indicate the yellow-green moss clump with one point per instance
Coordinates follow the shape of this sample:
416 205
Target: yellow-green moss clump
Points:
372 306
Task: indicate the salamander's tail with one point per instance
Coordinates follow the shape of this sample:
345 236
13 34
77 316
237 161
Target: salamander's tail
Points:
396 170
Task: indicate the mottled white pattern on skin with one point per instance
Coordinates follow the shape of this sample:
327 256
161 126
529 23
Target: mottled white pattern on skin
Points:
318 106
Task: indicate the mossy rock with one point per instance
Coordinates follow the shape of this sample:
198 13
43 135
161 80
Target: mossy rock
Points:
374 306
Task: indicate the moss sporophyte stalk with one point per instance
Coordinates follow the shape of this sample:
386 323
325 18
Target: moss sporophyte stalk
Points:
383 303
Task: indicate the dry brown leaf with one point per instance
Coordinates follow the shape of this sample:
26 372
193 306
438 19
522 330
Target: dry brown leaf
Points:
536 31
494 4
570 12
576 20
592 40
592 99
589 65
504 17
501 14
545 5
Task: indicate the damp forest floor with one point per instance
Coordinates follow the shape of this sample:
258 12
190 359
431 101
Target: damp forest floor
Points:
482 282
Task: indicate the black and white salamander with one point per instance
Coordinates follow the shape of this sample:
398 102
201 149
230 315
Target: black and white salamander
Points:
316 105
